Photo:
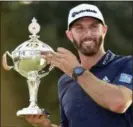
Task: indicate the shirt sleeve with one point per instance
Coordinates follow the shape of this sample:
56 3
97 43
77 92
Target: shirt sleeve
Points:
63 121
125 76
62 86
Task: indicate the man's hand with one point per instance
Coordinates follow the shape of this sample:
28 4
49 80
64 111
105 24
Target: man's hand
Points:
40 120
63 59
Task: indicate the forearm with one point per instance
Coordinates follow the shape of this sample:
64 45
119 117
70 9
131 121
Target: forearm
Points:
51 125
105 94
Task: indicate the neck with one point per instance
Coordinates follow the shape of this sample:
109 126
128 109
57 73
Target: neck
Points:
88 61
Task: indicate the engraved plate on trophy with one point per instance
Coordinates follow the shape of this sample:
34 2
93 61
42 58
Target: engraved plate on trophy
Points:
28 62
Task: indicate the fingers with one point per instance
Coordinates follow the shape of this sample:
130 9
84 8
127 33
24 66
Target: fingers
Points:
32 118
62 50
65 53
37 119
61 53
57 54
54 57
47 57
60 58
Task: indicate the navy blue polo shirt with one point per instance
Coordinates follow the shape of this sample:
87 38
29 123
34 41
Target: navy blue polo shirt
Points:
79 110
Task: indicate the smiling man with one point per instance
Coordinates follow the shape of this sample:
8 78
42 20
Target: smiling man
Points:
97 91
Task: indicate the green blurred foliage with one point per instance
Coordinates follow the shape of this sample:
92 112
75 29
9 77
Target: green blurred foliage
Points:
52 16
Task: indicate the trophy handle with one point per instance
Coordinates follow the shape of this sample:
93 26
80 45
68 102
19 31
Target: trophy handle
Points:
4 61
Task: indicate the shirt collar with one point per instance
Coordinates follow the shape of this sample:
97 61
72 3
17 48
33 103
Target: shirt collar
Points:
107 58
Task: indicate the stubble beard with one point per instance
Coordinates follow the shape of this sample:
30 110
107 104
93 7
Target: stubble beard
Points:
88 50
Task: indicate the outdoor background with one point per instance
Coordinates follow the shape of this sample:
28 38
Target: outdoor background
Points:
52 16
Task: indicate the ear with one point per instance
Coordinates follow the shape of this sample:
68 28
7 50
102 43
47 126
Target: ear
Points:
105 28
69 35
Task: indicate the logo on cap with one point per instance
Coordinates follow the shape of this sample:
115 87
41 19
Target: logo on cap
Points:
82 11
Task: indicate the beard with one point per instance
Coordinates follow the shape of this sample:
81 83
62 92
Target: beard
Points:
88 46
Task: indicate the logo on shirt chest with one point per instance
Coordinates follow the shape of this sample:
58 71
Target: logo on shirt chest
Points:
105 78
125 78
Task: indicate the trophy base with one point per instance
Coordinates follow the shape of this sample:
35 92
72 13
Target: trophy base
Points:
30 111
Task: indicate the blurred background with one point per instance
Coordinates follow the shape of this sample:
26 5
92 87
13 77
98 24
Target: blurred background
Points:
52 16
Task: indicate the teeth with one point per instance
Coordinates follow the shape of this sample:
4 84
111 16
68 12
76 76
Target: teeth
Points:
88 42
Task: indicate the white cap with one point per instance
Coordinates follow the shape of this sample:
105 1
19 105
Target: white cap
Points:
84 10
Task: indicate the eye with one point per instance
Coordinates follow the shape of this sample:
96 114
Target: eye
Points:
79 28
94 25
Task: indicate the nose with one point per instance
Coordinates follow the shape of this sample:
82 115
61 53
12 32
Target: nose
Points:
87 32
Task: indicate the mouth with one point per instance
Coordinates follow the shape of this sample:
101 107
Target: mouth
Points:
88 42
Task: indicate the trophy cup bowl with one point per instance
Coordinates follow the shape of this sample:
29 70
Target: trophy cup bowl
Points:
28 62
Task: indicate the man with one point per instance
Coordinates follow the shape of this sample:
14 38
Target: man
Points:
97 91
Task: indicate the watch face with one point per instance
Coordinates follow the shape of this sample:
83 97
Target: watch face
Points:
79 70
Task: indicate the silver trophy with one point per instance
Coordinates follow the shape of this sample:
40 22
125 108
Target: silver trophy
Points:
28 61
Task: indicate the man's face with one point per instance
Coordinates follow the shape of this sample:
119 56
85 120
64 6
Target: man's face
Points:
87 35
